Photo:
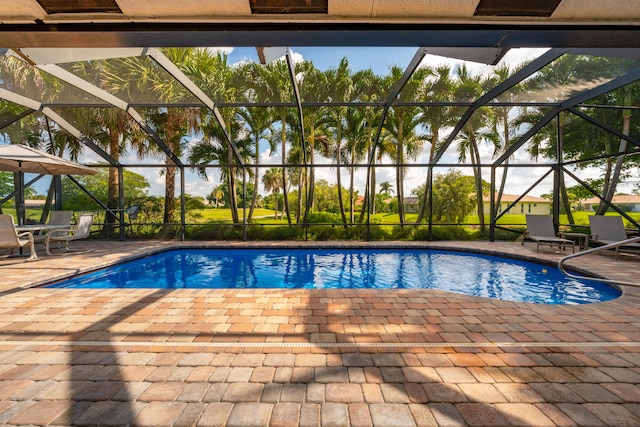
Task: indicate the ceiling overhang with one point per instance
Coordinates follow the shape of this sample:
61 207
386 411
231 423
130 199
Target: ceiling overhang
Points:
494 35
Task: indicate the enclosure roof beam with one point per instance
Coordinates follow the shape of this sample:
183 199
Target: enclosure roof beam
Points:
162 60
16 118
628 78
393 94
544 59
80 83
405 32
76 133
37 106
296 93
604 126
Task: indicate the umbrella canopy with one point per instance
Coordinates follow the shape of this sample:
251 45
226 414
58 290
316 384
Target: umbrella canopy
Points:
20 158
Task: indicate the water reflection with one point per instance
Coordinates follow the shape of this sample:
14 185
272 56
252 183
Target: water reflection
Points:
471 274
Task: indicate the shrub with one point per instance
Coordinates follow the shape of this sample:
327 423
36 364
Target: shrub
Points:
324 218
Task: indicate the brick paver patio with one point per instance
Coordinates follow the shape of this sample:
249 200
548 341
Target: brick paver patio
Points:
311 357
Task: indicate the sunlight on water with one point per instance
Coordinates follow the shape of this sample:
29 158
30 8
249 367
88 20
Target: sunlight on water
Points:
466 273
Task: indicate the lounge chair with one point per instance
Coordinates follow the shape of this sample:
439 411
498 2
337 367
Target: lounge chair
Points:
10 239
56 218
80 231
540 229
610 229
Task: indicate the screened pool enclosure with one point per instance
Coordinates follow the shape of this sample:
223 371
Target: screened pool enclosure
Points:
311 138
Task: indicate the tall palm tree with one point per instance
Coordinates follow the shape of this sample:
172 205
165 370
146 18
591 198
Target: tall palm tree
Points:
474 132
626 96
314 86
257 120
357 138
555 82
22 78
402 124
272 181
341 84
438 86
221 83
212 148
503 120
272 83
111 127
141 78
368 87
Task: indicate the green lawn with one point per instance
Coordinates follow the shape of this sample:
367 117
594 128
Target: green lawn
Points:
266 216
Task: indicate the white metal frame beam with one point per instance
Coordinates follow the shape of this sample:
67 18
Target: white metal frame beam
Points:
182 78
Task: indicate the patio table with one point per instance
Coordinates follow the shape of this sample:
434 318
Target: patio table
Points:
39 228
583 239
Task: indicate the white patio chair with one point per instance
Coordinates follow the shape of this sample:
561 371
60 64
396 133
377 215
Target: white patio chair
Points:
80 231
540 229
56 218
10 239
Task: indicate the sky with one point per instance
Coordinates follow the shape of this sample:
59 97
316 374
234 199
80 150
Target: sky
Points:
379 59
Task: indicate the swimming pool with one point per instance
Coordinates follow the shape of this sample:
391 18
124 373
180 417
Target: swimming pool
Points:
467 273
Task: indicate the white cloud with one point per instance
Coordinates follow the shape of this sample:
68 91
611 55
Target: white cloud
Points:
222 49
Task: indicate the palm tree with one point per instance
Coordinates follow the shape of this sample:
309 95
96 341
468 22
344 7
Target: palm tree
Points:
503 120
272 181
402 124
386 188
341 84
21 77
213 148
272 83
368 87
439 86
626 96
557 81
258 121
314 86
112 127
141 78
356 137
474 132
221 82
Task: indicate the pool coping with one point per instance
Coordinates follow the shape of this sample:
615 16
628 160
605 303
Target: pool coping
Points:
332 246
502 249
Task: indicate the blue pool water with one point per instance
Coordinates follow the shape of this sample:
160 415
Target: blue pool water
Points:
471 274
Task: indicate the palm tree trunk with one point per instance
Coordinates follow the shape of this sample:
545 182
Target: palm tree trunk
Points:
617 169
338 164
369 193
427 184
285 192
311 181
256 181
169 190
275 201
302 178
231 177
113 197
503 180
351 186
399 172
477 172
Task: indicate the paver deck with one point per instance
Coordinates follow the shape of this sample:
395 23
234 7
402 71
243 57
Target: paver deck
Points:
311 357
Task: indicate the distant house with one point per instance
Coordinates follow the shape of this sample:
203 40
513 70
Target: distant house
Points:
625 203
411 204
35 203
526 205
